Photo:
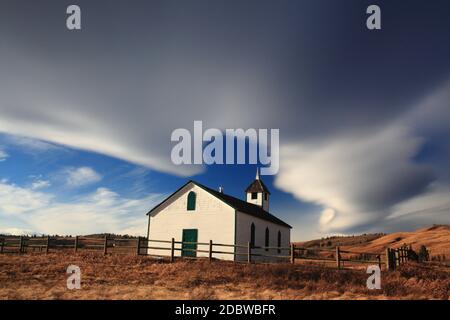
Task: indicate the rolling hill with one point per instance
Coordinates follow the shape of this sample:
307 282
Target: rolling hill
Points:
436 238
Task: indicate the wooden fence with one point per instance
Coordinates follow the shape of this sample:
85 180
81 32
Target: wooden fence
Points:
396 257
245 253
105 244
339 257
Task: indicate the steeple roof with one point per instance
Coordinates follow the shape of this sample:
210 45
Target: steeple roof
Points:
257 185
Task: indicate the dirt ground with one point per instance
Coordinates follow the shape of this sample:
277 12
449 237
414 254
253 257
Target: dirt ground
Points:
40 276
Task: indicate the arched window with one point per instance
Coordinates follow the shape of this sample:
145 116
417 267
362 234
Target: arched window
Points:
252 235
191 201
267 239
279 241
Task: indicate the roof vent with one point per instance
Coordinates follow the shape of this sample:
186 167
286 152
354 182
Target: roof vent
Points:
220 189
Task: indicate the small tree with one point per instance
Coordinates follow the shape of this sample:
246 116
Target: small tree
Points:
424 255
412 255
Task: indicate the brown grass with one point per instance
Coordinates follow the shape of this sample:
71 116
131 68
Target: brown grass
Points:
40 276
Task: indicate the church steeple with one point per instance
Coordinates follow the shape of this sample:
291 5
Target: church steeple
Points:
257 192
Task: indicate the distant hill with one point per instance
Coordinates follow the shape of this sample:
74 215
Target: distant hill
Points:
332 242
435 238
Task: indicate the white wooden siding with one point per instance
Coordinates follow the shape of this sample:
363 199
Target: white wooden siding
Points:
213 219
244 222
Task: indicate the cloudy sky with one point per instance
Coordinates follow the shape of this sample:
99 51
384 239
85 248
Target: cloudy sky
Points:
86 116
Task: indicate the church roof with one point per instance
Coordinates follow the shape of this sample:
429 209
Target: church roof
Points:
237 204
257 186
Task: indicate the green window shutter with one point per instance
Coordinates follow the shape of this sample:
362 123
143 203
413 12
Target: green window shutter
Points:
191 201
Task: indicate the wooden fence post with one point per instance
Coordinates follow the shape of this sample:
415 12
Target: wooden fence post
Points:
249 252
76 244
105 245
172 250
20 244
210 250
138 246
388 259
338 257
393 259
47 245
292 253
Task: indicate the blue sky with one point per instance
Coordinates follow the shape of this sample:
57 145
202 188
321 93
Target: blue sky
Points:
86 116
55 176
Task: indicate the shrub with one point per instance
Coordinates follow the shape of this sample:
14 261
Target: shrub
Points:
412 255
423 254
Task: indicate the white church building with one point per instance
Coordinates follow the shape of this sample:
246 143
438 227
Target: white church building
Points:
196 213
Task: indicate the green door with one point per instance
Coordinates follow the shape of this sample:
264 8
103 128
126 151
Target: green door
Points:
189 235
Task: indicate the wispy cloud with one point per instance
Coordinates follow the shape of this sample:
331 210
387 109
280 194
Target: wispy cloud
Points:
3 155
77 177
40 184
372 178
16 231
356 179
435 201
100 211
30 144
15 200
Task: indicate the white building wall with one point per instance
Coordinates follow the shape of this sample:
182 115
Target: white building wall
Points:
214 220
259 201
244 222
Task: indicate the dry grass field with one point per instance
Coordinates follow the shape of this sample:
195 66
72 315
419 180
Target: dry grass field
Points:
40 276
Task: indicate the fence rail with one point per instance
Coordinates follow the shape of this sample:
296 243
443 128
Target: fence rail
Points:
141 246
